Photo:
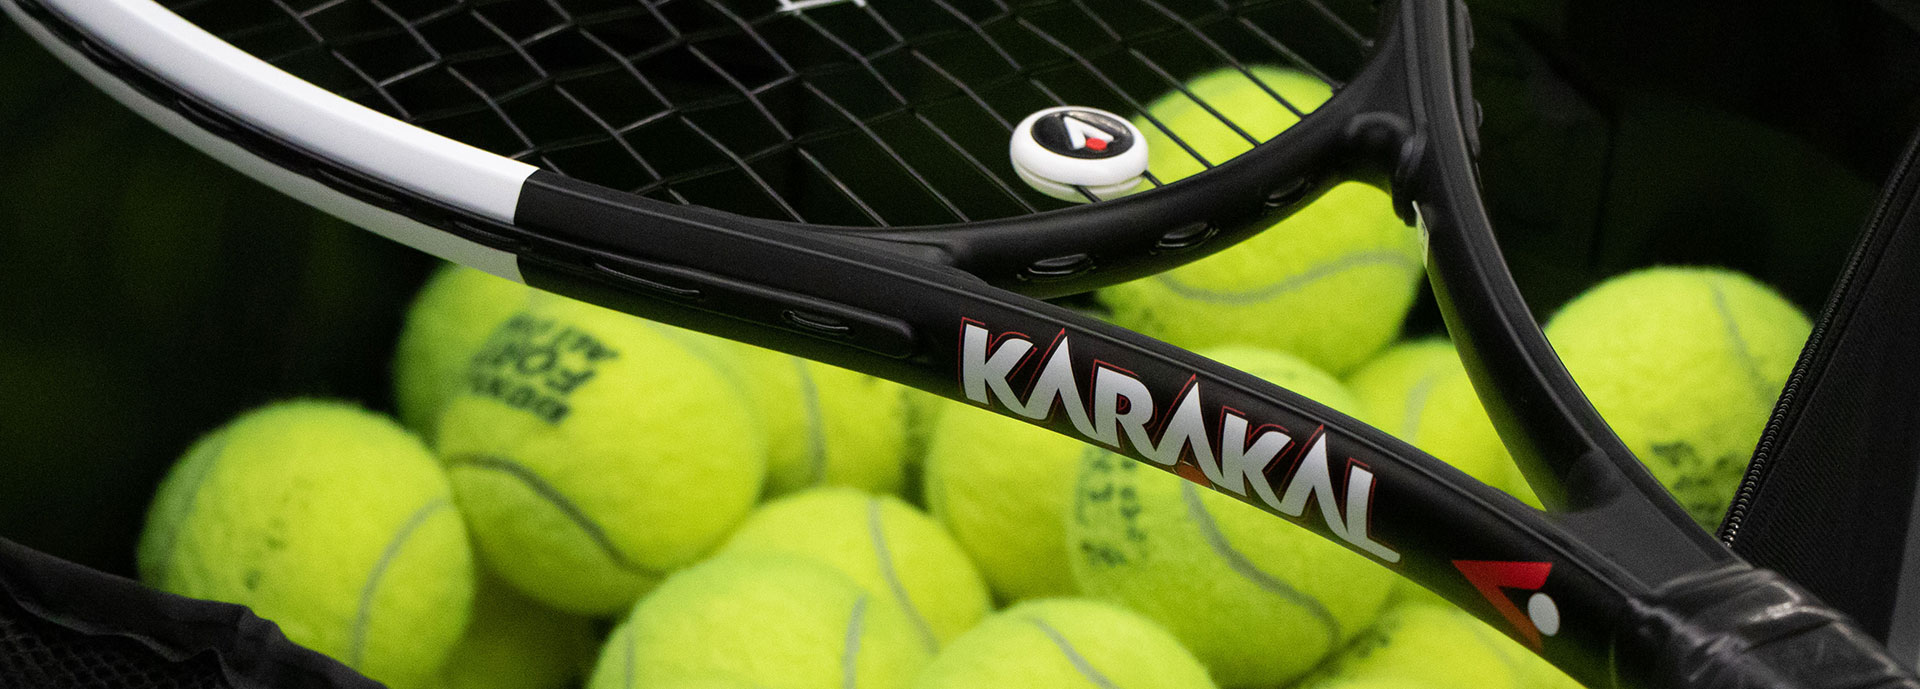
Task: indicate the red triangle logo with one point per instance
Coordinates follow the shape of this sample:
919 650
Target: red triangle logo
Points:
1490 578
1083 134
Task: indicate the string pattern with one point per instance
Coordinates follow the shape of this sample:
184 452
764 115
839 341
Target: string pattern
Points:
846 112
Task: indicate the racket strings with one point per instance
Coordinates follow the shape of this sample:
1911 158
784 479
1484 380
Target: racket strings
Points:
846 112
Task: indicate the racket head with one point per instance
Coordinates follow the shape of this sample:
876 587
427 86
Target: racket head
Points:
838 113
897 306
578 89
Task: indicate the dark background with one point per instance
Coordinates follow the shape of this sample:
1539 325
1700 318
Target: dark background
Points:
149 293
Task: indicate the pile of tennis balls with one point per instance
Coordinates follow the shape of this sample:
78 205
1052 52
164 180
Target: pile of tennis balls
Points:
573 497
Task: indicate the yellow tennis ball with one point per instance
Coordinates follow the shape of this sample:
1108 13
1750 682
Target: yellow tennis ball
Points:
1246 99
923 412
1065 642
1419 392
593 452
449 320
884 544
828 426
333 522
1257 599
703 682
515 643
1685 364
1003 488
1530 671
772 621
1349 683
1427 646
1330 284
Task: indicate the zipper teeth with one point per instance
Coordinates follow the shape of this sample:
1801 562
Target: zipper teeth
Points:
1763 452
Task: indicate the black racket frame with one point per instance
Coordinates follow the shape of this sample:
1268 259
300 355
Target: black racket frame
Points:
1646 598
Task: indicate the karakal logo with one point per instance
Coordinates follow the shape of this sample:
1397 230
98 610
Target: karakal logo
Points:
1492 579
1082 134
1115 409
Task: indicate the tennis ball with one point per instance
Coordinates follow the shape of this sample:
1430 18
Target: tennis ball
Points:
1346 683
1246 99
1685 364
1530 671
1426 646
923 412
827 425
331 521
1330 284
1003 488
705 682
1257 599
884 544
772 621
593 452
449 320
1419 392
1065 642
515 643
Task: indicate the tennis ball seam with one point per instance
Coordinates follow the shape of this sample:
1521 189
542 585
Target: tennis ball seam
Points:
691 343
626 656
1492 641
1079 662
363 617
816 430
1217 541
876 530
164 551
850 659
1318 271
594 531
1741 349
1417 403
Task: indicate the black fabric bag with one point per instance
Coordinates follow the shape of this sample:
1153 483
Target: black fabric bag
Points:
1829 498
67 626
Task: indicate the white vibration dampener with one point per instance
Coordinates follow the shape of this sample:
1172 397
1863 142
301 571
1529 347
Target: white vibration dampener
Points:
1062 150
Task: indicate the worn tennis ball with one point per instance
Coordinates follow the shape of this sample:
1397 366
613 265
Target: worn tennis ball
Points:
882 543
1257 599
1685 364
449 320
828 425
1330 284
593 452
1065 642
1427 646
772 621
331 521
515 643
1419 392
1003 488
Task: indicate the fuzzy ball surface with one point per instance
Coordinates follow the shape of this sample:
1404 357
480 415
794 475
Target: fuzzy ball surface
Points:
331 521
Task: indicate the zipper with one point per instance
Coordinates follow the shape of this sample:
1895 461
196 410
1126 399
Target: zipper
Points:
1898 195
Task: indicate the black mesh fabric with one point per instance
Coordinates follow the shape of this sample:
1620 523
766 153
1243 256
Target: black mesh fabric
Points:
36 653
63 625
1828 498
845 112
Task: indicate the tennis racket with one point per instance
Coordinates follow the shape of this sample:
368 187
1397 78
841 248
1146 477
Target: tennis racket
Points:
834 179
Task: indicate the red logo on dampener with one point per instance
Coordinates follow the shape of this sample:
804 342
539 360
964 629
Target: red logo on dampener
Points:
1492 578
